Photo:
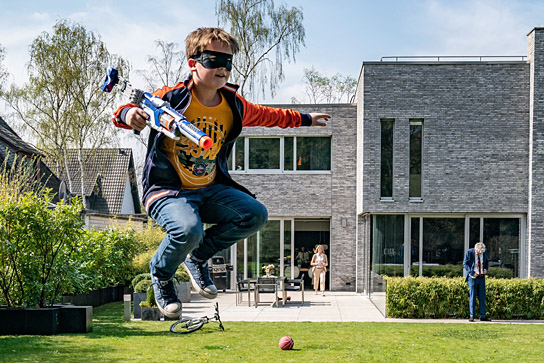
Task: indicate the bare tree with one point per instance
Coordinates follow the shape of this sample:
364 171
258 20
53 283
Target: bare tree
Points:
267 35
323 89
3 72
62 104
167 68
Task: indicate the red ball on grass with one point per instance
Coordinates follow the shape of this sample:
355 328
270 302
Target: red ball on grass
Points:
286 343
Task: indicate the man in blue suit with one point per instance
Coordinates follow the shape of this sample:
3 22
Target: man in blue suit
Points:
476 264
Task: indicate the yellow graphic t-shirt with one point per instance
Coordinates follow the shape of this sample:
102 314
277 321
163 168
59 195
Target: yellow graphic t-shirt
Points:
195 166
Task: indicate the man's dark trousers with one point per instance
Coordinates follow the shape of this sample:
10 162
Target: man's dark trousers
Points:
476 288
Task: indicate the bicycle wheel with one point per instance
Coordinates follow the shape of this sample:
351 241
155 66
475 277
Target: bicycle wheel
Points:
186 325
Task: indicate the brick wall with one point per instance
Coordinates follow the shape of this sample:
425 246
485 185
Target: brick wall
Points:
475 150
536 142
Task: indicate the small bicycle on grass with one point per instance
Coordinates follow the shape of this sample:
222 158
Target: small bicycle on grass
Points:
187 325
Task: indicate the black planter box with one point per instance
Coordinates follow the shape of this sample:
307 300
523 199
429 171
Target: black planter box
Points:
31 321
96 297
151 314
138 298
75 319
46 321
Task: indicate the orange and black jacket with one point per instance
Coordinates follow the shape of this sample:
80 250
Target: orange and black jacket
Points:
160 179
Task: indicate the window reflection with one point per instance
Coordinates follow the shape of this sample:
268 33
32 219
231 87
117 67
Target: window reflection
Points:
443 246
288 152
386 166
501 238
387 245
265 153
263 249
312 153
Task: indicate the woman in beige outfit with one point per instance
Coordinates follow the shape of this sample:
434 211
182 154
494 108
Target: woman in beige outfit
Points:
319 268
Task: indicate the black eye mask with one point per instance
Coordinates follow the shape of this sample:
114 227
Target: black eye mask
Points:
210 59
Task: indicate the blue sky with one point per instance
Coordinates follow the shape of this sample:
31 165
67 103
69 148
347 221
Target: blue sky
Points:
340 34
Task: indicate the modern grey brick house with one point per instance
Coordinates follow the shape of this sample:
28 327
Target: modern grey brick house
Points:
306 177
450 153
436 155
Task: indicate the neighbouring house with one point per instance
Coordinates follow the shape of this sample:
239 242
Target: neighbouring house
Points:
12 146
437 154
109 186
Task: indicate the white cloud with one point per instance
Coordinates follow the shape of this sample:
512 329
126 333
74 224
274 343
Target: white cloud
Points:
40 16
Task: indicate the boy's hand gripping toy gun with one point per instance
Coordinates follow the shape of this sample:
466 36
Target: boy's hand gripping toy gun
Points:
162 117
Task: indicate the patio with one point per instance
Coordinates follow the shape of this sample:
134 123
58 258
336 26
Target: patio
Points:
334 306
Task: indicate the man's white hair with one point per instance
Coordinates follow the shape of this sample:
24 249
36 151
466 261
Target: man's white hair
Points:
479 247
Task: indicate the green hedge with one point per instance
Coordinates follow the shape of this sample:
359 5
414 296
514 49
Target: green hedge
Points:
439 297
439 271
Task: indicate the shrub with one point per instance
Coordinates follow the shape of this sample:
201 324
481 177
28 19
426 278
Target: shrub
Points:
104 258
147 242
439 271
150 300
422 297
138 278
142 286
181 276
37 239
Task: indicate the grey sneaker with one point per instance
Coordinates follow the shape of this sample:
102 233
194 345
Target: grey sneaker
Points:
200 277
166 297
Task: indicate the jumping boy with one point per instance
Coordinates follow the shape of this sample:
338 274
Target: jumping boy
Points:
185 186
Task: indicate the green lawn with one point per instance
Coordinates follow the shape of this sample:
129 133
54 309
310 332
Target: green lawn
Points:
114 340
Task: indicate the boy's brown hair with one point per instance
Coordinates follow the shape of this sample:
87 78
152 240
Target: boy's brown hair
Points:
198 40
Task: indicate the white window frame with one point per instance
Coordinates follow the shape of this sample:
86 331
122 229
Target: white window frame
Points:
281 170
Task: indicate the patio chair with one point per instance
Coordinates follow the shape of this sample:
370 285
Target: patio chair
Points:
266 285
296 285
243 286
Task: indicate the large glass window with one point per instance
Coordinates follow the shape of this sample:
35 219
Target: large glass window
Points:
437 245
301 153
313 153
443 246
388 245
264 153
386 156
240 259
414 247
287 250
238 151
289 153
416 143
264 249
474 232
501 238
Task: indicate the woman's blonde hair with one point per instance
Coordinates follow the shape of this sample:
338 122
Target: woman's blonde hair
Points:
198 40
479 247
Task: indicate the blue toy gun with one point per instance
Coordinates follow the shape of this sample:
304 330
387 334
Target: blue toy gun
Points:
162 117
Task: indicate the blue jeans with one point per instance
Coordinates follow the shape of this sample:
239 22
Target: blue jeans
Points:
234 214
476 288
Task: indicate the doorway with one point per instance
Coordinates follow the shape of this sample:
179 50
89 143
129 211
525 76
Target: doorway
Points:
308 234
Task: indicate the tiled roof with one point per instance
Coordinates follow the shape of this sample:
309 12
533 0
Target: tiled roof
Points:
11 144
9 138
107 169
